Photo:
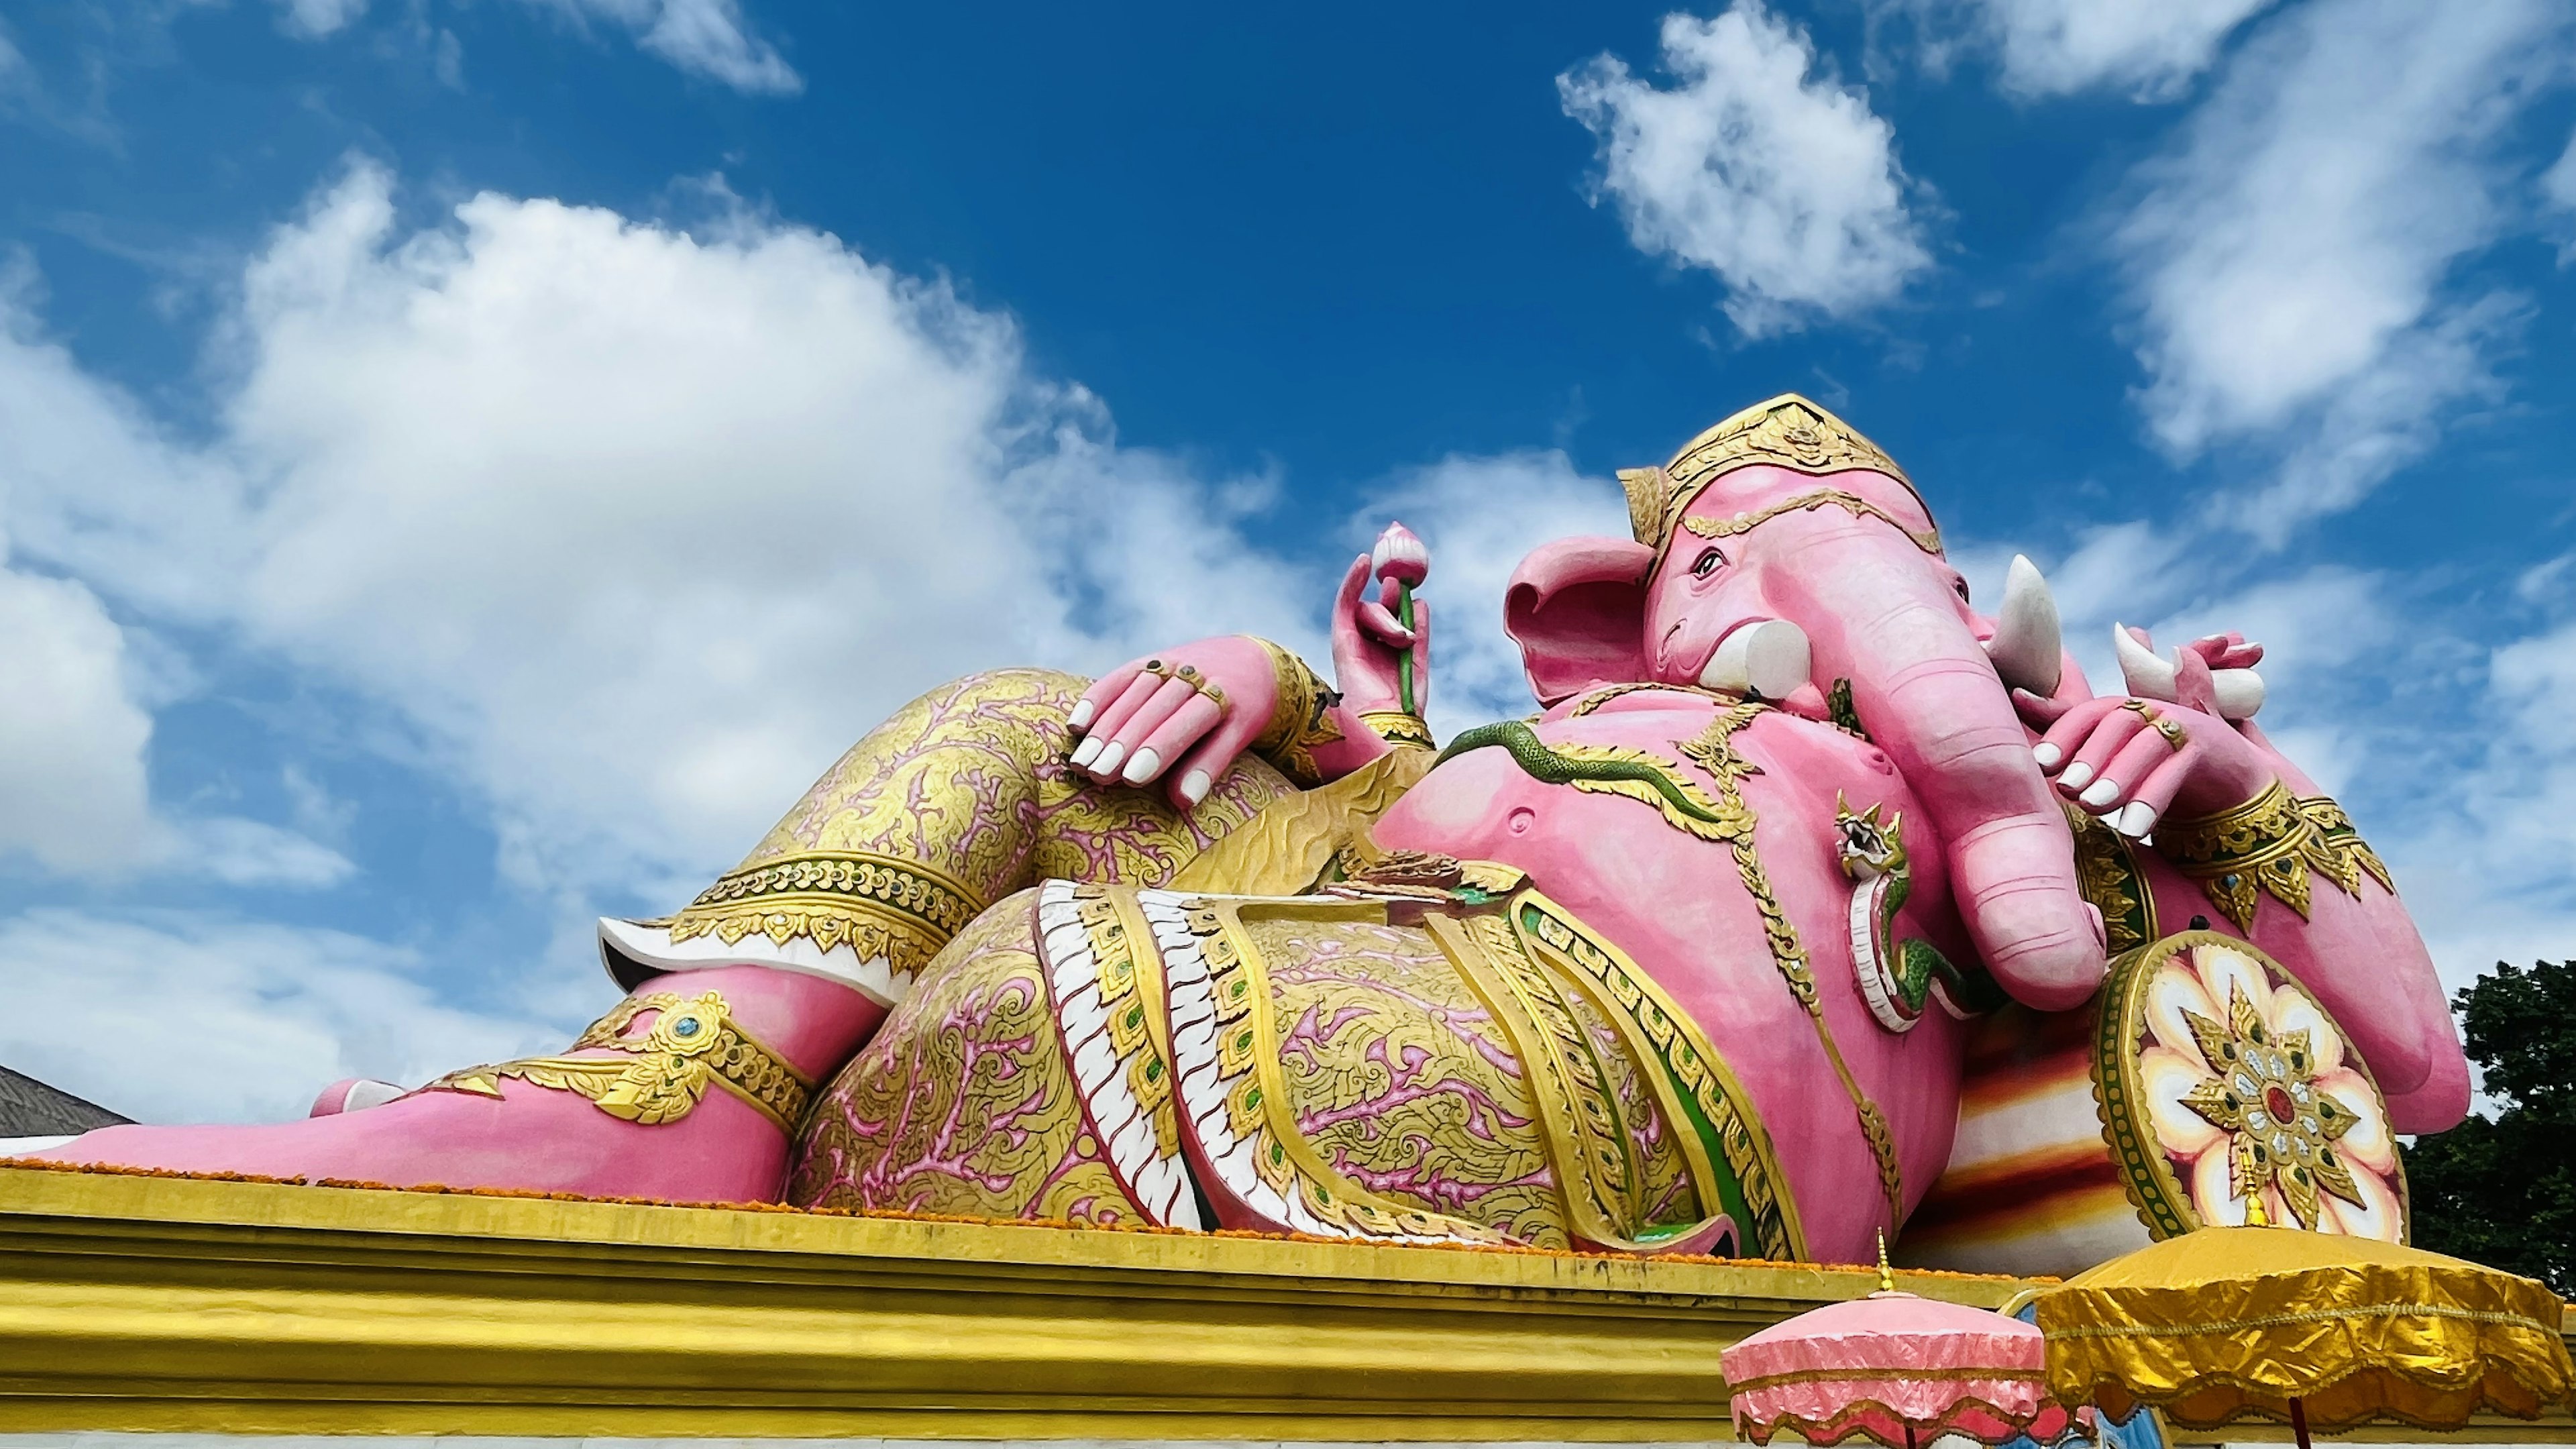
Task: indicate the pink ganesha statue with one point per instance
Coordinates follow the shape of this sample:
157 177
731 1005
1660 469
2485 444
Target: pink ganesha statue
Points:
1813 903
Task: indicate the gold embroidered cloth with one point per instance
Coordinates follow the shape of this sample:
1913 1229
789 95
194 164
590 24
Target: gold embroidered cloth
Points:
2229 1323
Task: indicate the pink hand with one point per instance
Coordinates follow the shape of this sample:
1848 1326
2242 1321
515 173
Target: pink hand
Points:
1143 722
2112 760
1368 641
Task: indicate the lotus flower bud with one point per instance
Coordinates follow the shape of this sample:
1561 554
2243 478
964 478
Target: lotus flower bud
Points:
1401 556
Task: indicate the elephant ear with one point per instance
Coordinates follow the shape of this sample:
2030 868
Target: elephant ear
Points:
1577 608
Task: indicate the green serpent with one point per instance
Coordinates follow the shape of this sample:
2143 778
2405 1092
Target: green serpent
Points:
1546 766
1918 963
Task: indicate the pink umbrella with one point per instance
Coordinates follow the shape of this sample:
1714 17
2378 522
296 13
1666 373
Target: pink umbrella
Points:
1896 1369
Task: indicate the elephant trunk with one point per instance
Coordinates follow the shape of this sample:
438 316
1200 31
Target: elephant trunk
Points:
1887 620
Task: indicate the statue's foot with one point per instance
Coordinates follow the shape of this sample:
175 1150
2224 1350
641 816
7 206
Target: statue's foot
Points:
689 1090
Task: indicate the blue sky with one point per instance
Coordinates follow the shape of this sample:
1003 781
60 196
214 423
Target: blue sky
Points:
464 467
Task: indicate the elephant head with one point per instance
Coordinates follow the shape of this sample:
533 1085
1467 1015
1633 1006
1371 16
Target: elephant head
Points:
1781 554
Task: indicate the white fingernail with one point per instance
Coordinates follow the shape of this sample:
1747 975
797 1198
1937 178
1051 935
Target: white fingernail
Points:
2137 819
1081 714
2047 754
2104 791
1082 753
1194 786
2077 776
1142 768
1107 764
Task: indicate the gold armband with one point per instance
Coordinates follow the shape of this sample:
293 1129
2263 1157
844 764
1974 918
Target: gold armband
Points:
1301 720
660 1076
2345 855
2269 844
1398 728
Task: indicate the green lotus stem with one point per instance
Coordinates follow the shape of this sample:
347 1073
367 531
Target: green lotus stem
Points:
1404 661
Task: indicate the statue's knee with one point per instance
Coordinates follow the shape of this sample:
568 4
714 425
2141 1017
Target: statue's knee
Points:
1017 688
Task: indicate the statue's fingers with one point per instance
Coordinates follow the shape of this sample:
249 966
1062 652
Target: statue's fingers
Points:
1197 771
1141 686
2039 714
2116 785
1197 715
2154 795
1346 604
1421 656
1355 582
2111 730
1103 693
2068 730
1119 742
1382 625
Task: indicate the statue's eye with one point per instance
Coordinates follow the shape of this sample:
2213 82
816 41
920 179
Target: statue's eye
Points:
1706 563
1962 586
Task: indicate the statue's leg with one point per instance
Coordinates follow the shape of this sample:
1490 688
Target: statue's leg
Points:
687 1091
964 1102
960 798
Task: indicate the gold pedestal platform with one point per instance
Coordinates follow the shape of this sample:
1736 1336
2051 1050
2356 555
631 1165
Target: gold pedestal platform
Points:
178 1305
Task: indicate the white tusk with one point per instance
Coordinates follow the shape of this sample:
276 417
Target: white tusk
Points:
2147 676
1765 660
2240 692
2026 650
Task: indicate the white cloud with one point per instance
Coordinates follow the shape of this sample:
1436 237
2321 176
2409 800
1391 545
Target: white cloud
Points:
74 742
637 530
1758 165
239 1021
313 19
709 38
2059 47
72 787
243 852
2558 195
2290 258
1481 516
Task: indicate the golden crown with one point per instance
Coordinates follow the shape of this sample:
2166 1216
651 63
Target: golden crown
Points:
1786 432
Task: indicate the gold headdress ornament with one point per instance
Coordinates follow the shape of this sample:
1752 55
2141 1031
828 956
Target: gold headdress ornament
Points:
1786 432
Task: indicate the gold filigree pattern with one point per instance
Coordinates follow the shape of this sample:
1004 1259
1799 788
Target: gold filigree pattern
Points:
1130 978
662 1075
1238 1094
1667 1191
1787 431
962 1102
1399 728
1730 1154
2269 844
877 905
1301 720
2263 1094
1399 1078
1851 503
2106 874
2346 857
1588 1138
1714 751
1593 699
1105 982
959 798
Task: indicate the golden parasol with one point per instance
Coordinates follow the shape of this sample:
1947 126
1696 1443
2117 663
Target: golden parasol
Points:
2309 1328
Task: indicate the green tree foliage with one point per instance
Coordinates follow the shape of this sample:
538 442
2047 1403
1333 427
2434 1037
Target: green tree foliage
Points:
2501 1190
